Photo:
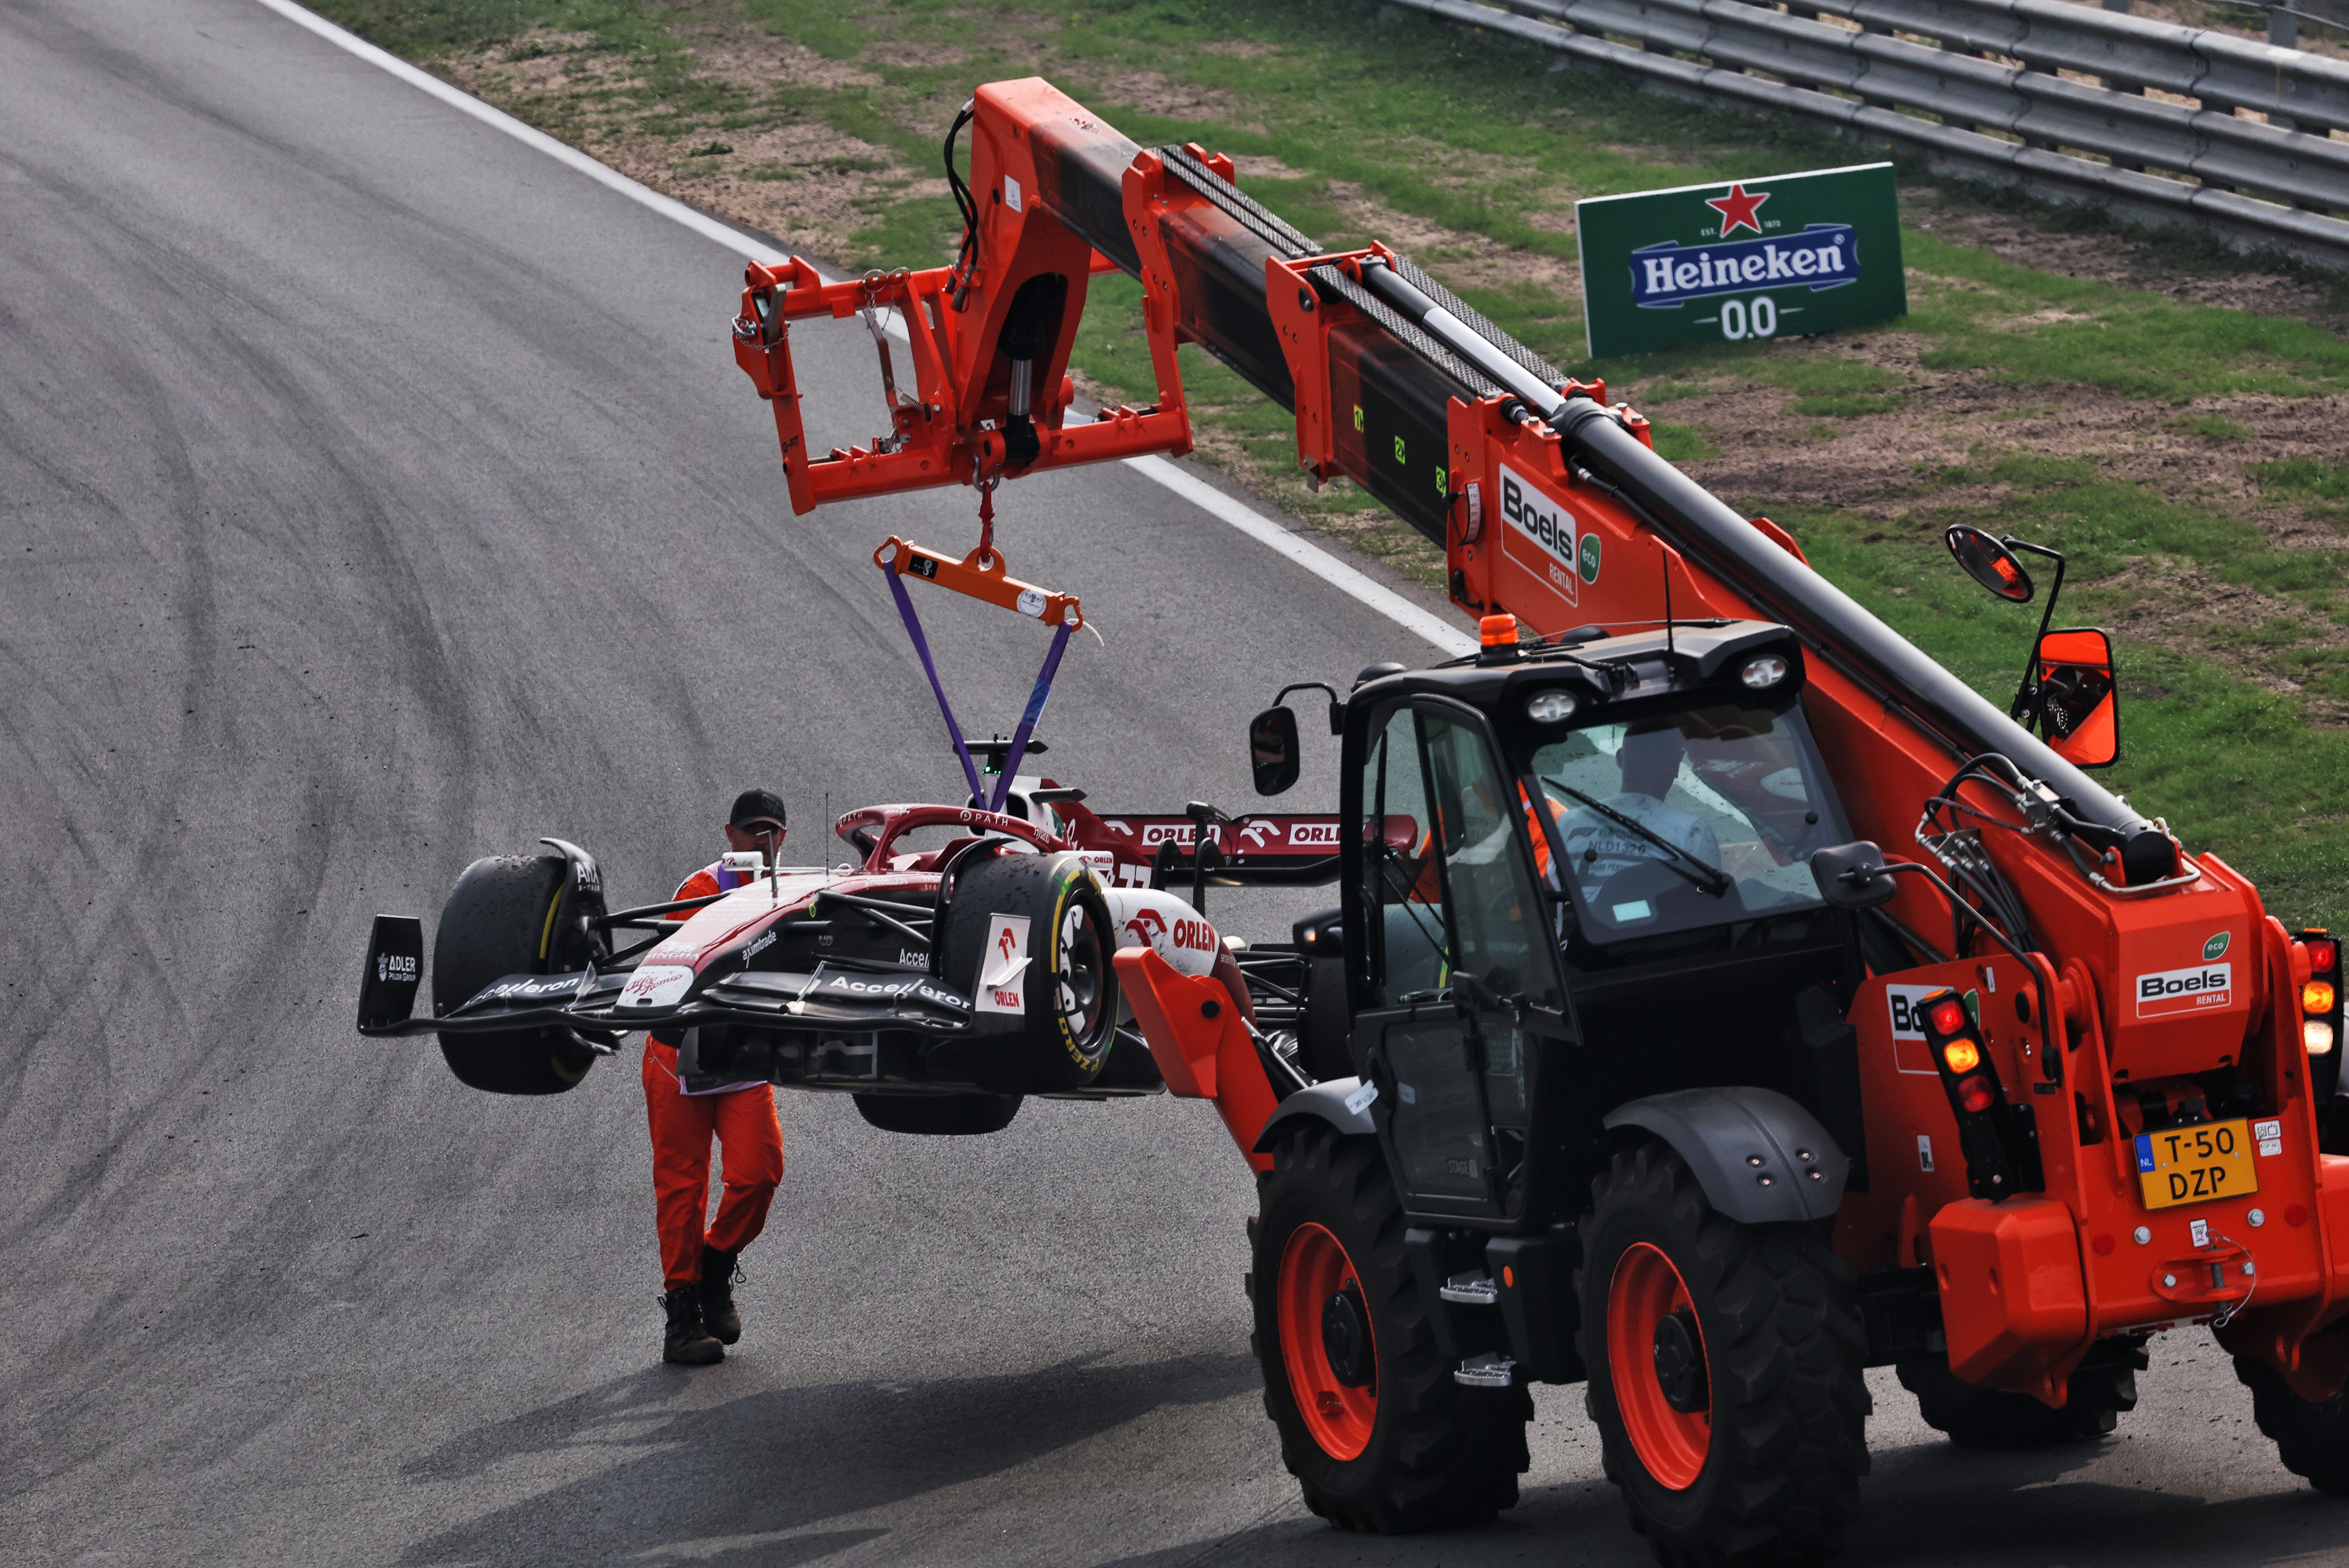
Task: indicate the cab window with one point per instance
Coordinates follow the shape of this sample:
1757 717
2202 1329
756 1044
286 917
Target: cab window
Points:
1680 820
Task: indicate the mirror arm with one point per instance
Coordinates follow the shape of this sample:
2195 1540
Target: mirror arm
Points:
1336 703
2025 707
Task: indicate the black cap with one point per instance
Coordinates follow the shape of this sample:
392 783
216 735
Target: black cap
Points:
755 807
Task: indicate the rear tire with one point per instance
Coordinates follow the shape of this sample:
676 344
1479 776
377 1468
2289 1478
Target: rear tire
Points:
1410 1448
2100 1392
2310 1438
1069 990
939 1116
1725 1371
504 917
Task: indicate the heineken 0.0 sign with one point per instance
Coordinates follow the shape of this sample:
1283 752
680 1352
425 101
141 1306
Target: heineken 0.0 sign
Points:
1779 257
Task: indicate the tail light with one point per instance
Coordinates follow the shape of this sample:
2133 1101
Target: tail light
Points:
2321 1031
2320 994
1975 1097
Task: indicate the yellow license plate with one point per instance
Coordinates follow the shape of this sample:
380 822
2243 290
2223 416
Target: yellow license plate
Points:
2197 1164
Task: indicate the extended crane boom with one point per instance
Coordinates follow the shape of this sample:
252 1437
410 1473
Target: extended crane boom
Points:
1550 502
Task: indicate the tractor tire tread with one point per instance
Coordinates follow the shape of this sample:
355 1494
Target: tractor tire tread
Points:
2312 1438
1795 1447
1454 1454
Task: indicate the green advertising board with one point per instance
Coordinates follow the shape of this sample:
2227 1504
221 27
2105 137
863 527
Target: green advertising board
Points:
1781 257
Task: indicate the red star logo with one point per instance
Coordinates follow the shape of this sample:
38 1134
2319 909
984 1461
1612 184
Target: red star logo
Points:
1737 209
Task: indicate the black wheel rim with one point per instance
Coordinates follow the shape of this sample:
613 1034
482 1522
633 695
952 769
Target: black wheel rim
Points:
1082 970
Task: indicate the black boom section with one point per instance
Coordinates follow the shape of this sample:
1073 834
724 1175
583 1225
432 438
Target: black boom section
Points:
1392 383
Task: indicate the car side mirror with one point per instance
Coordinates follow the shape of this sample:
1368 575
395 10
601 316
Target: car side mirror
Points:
1272 750
1853 876
1989 563
2079 708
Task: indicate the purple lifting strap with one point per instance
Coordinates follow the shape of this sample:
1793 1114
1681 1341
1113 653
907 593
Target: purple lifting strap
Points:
1035 711
993 802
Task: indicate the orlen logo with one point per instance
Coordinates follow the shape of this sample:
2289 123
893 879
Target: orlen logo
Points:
1168 832
1149 926
1314 835
2184 989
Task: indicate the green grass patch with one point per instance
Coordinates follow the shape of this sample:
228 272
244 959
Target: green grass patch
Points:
2210 426
2311 478
1682 443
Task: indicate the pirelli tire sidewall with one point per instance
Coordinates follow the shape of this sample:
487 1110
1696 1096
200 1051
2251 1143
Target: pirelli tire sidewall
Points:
1049 1046
508 914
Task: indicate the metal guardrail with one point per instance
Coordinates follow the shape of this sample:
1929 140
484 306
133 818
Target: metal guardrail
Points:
1992 86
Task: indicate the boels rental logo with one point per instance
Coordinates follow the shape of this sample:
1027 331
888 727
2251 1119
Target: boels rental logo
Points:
1797 254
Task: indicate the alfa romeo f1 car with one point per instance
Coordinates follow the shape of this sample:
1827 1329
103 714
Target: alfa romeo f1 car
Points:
959 964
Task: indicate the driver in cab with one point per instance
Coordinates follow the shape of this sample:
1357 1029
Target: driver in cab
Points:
1598 847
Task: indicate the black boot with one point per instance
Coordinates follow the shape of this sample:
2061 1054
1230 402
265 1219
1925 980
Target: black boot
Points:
718 1314
689 1343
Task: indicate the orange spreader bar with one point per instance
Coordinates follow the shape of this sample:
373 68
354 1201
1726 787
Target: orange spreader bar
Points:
982 574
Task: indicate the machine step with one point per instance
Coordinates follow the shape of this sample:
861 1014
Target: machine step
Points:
1470 1289
1490 1369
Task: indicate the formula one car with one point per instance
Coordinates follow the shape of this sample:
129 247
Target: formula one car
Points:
960 964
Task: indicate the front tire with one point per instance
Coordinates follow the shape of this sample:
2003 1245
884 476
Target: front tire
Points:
1373 1426
1068 1020
1725 1371
2312 1438
504 917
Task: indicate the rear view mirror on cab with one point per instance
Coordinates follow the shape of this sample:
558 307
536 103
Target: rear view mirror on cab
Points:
1272 750
1852 876
1989 563
2078 708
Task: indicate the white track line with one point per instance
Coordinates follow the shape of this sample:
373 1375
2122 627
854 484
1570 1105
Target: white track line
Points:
1420 622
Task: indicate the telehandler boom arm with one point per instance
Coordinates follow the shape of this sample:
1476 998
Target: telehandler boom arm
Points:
1550 504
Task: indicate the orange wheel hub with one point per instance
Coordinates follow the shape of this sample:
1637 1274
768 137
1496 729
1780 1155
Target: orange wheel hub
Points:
1655 1359
1318 1310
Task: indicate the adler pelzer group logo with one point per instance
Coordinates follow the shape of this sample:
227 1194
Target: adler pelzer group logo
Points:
1754 259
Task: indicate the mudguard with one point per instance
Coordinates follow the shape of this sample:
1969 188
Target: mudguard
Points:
1331 1101
1761 1157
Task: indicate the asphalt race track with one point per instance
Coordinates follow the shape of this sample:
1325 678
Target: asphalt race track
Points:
379 493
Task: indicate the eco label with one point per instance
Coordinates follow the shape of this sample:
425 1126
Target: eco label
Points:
1003 966
1789 256
2190 989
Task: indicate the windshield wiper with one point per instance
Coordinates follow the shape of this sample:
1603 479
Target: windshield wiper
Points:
1711 878
1389 875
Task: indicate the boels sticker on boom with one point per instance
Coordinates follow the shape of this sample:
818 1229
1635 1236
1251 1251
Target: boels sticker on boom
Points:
1754 259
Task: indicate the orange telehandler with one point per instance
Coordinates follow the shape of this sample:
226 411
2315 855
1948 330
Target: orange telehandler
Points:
1629 1057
